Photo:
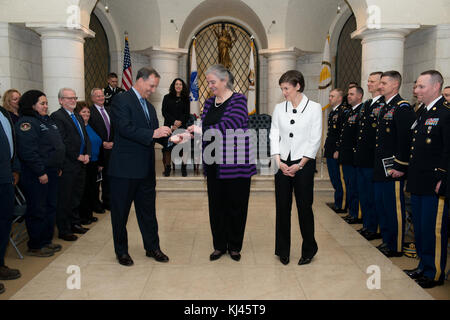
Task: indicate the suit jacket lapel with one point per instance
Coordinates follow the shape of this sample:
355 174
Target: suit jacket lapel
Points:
69 118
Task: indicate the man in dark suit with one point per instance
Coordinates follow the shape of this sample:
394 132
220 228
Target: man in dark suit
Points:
100 121
78 150
132 165
9 176
112 89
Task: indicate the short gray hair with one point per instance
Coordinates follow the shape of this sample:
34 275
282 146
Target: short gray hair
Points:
95 89
222 73
61 91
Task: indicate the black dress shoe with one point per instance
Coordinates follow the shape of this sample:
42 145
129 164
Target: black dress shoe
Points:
369 235
391 253
304 261
236 256
381 246
99 210
347 217
2 288
125 260
362 231
158 255
9 274
414 273
79 229
68 237
284 260
86 222
428 283
353 220
93 219
215 255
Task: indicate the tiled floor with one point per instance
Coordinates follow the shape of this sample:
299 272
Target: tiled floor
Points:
339 270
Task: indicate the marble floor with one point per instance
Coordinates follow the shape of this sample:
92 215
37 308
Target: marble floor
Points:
339 270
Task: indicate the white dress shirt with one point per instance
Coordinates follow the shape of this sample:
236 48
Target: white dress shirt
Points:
301 138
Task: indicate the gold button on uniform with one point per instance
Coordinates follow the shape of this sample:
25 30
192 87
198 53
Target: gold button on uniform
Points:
428 141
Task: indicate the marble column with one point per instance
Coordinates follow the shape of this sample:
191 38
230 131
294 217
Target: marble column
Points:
278 62
165 62
382 50
62 60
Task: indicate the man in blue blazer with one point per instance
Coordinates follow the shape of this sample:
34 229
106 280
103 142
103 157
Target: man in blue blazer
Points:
132 165
9 176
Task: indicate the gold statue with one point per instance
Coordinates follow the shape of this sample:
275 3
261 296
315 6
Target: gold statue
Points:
225 43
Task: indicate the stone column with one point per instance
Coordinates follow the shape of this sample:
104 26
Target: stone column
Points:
62 60
278 62
165 62
382 50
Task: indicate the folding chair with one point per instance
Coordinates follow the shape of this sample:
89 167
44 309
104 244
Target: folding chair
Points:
19 234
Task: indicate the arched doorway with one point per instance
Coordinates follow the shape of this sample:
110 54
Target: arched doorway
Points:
207 54
96 58
348 56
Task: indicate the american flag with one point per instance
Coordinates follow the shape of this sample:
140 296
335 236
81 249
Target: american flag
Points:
127 77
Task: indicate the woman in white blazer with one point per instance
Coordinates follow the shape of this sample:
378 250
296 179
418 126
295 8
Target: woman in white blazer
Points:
295 136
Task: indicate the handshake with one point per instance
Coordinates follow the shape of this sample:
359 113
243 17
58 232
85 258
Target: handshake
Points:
179 137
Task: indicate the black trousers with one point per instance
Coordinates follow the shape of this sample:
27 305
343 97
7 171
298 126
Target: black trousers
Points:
89 200
123 192
70 192
41 206
6 216
303 186
228 206
106 196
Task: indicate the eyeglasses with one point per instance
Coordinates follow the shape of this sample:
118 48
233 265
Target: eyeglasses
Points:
70 98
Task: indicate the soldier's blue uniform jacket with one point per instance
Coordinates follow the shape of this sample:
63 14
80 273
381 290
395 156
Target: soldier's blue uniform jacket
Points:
334 131
393 136
365 142
347 140
430 150
40 145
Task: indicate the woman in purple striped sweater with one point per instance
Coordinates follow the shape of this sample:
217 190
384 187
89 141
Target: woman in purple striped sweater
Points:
227 161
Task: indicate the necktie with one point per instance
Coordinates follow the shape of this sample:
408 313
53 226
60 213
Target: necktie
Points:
77 124
105 119
144 107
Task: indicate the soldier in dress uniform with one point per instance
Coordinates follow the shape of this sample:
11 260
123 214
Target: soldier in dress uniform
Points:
364 155
446 94
392 145
345 102
112 89
334 168
427 180
345 152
